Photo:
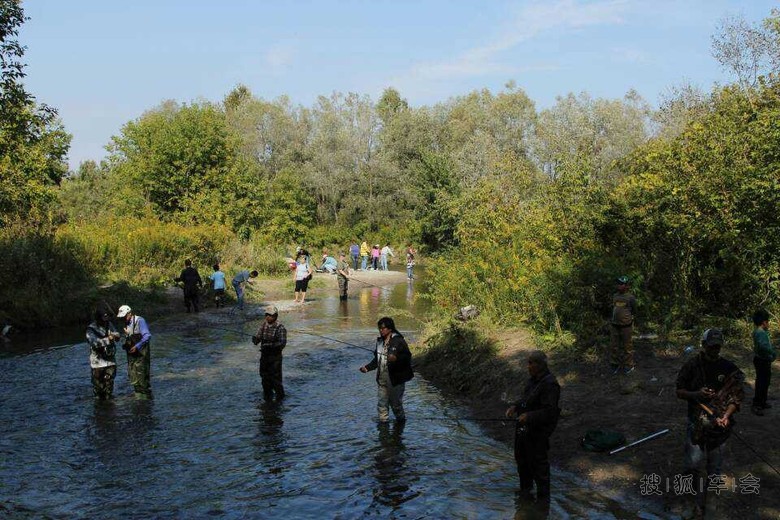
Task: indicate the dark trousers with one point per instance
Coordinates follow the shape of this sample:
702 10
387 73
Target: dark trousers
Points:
271 375
763 377
191 298
533 464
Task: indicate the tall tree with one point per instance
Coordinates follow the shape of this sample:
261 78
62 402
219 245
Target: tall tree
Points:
33 144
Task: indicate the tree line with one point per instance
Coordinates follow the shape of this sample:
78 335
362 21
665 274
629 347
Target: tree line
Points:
528 213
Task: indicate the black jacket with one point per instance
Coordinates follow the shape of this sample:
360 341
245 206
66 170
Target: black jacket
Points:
191 278
540 404
400 370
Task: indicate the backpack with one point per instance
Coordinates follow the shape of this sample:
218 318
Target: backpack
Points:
602 440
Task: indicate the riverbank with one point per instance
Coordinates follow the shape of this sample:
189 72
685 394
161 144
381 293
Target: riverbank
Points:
487 373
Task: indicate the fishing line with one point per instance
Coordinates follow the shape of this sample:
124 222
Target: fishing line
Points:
334 339
370 284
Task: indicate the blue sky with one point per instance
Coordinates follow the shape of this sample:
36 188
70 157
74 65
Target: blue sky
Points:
103 63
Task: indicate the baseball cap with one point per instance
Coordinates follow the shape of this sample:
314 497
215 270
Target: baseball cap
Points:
272 310
124 310
712 337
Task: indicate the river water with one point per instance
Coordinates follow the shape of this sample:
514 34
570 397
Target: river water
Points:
209 446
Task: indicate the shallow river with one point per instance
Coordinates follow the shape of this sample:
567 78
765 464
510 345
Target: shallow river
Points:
209 446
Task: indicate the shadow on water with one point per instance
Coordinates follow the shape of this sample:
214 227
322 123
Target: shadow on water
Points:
209 445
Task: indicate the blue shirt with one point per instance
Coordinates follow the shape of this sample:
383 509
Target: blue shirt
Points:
241 277
138 325
218 277
354 250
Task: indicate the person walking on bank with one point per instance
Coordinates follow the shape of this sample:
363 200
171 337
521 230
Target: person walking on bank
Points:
621 328
243 277
218 278
763 356
342 276
301 276
364 252
393 363
139 356
192 283
713 387
537 415
375 253
384 254
102 337
354 251
272 338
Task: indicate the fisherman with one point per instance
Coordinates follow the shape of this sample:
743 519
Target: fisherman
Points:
393 363
218 277
342 276
537 415
139 356
713 387
243 277
623 313
192 283
101 338
272 338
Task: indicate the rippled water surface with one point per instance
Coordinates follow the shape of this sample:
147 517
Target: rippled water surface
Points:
208 445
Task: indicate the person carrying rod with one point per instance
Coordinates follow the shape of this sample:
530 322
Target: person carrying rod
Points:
393 363
537 415
713 387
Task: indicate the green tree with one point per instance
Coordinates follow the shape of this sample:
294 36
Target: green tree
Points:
33 143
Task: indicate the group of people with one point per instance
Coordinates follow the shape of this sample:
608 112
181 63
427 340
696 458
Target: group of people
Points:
103 339
192 284
711 384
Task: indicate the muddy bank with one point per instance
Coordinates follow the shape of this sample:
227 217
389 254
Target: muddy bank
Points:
489 376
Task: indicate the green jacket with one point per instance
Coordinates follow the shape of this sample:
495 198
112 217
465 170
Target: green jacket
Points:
762 347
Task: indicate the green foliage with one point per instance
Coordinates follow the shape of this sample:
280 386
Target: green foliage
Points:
33 144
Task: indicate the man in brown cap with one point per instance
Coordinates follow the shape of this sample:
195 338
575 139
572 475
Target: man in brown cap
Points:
272 338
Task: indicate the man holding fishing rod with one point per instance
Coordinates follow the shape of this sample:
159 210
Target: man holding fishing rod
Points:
713 387
272 338
342 276
537 415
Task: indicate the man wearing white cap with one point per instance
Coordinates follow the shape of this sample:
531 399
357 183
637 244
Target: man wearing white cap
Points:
139 356
272 338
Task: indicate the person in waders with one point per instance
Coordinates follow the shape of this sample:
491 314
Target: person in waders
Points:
101 338
393 363
537 415
139 356
342 276
272 338
621 352
713 387
190 277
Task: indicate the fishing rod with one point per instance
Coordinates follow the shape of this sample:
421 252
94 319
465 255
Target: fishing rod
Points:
473 419
370 284
292 330
711 413
333 339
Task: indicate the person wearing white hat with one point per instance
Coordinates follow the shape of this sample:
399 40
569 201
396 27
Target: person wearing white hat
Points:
272 338
139 355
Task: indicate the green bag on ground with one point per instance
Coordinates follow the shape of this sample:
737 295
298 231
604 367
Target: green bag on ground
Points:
602 440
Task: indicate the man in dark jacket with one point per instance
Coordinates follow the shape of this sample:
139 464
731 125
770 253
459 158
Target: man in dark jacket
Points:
537 415
393 363
192 283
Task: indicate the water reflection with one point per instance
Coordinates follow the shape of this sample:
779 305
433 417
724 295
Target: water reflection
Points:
393 477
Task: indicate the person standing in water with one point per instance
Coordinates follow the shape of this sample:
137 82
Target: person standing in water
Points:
101 338
393 363
139 355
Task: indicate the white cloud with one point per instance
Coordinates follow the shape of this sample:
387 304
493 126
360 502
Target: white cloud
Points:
531 21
